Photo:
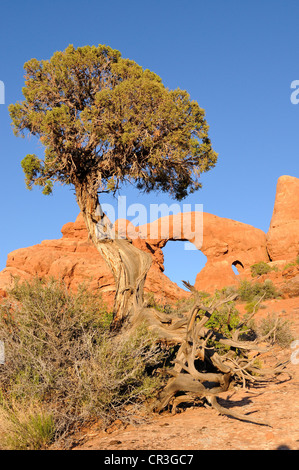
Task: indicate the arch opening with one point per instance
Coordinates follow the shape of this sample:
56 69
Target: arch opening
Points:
181 263
237 267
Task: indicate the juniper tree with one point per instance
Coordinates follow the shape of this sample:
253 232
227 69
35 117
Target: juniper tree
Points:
103 121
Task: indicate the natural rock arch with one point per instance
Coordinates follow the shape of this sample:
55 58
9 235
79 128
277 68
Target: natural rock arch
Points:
223 241
74 259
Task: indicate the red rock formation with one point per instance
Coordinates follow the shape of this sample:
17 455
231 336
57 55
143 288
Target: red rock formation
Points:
224 242
74 259
283 234
227 243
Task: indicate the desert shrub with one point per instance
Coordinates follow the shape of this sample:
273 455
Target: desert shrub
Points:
46 330
282 336
248 291
258 269
59 353
229 290
226 318
25 428
124 370
252 293
253 306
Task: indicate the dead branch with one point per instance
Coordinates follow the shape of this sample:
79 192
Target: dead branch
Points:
199 372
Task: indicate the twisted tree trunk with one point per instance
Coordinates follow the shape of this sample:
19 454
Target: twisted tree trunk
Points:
128 264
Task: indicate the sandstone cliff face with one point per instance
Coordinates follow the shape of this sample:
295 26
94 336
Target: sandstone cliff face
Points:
283 234
228 243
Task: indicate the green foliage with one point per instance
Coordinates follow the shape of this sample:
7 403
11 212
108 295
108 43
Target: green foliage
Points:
252 293
225 320
252 306
260 268
26 428
31 166
104 120
126 381
61 355
249 291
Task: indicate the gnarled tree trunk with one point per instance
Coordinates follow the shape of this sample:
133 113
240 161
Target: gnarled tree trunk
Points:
128 264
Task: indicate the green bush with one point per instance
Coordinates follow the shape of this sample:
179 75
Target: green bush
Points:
260 268
225 319
282 334
60 354
25 428
249 292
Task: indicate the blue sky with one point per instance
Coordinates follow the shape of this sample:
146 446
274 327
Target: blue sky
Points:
236 58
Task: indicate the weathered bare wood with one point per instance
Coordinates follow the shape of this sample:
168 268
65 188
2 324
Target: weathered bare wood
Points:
128 264
238 331
186 383
189 384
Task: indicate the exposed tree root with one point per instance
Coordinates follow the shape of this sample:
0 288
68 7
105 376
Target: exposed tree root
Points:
199 372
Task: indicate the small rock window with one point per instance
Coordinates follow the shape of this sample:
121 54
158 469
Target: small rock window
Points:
237 267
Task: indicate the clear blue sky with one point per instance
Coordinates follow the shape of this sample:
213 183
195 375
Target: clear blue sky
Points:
236 58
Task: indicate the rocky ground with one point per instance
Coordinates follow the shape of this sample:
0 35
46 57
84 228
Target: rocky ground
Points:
201 428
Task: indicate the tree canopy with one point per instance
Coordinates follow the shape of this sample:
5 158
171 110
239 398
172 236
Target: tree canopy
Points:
104 120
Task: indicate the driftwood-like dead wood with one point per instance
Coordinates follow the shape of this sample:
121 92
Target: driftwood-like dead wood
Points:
200 373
